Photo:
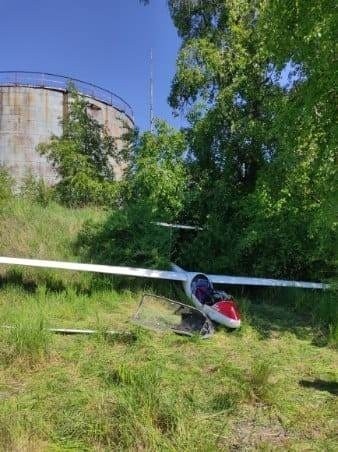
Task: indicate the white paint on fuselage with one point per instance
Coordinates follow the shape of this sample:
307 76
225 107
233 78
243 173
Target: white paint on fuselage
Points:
208 310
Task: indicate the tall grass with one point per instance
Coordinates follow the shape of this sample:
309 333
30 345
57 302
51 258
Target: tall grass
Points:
259 380
157 392
28 229
24 336
153 392
317 308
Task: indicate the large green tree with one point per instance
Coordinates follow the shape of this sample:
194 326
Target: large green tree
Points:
262 148
225 85
82 157
293 213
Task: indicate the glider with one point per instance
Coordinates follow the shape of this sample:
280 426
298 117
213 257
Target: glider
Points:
217 305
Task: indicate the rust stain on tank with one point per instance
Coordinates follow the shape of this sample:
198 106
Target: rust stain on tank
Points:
46 107
29 116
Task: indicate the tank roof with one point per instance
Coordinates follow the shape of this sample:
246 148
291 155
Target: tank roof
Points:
61 82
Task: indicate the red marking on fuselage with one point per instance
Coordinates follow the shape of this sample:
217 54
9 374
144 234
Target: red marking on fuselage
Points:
228 308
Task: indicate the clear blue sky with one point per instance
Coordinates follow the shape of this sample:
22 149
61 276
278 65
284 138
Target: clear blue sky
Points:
106 42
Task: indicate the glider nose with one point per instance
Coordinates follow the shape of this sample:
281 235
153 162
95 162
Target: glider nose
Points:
230 310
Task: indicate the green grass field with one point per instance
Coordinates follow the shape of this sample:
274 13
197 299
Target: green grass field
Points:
270 386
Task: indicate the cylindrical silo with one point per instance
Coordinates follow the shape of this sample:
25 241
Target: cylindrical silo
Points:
32 106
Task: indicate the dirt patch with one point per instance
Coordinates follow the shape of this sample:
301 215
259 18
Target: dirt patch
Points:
258 428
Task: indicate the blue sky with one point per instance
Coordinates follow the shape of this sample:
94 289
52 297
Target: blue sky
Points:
106 42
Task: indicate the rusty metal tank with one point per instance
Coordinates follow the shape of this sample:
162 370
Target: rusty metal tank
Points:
32 106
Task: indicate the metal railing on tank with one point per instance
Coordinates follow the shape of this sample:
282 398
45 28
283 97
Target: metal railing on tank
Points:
60 82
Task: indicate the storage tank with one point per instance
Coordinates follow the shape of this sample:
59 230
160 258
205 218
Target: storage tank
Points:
32 106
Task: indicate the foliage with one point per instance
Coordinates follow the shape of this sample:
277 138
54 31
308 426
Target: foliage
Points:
260 171
262 162
222 79
81 157
6 184
298 194
128 237
156 171
36 190
154 188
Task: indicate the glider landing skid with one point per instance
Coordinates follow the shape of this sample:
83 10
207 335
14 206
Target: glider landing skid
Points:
162 314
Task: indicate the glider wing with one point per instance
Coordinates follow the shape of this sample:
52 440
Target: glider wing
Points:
108 269
158 274
244 281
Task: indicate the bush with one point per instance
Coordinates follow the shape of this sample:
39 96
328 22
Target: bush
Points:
127 237
36 190
6 183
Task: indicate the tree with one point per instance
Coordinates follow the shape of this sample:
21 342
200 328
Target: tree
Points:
222 78
298 195
262 163
262 154
154 188
82 157
223 84
156 173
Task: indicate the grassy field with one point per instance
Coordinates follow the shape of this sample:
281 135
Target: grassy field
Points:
270 386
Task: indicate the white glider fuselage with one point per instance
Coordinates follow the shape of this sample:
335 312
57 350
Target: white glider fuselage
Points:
220 312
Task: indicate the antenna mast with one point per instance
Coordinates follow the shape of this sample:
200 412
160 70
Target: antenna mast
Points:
151 109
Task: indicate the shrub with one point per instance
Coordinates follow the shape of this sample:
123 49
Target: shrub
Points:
156 172
36 190
6 183
127 237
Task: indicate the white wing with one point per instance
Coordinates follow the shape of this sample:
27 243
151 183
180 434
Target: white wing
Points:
246 281
241 280
158 274
108 269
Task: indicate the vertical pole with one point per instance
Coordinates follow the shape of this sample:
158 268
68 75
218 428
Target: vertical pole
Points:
170 243
151 105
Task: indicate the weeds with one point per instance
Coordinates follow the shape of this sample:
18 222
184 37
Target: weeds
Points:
332 337
26 339
6 185
6 435
36 190
225 401
259 380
